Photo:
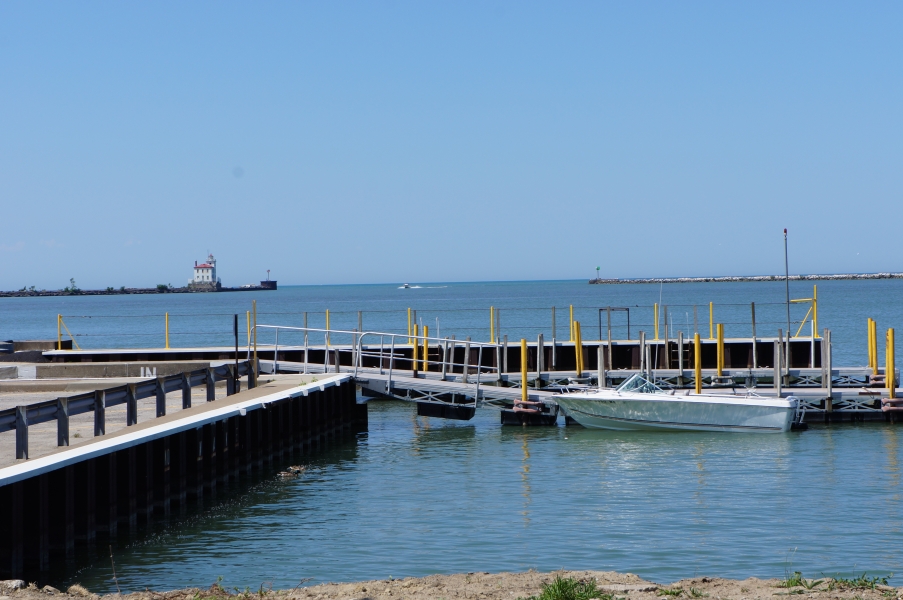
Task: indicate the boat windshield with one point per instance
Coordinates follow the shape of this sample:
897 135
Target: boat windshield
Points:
639 385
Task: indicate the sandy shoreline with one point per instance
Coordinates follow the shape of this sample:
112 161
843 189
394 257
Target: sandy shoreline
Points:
499 586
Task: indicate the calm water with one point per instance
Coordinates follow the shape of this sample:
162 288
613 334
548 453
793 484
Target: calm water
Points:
461 309
415 496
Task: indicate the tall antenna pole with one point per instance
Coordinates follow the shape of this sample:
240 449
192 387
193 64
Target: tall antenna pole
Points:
787 292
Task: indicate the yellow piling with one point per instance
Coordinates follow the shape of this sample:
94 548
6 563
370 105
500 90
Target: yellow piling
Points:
410 340
572 322
890 371
578 348
523 370
697 355
874 347
167 331
655 316
426 347
815 309
254 310
712 320
491 324
59 332
415 346
868 335
720 332
248 315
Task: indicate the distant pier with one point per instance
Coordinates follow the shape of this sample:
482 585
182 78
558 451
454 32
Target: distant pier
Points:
742 278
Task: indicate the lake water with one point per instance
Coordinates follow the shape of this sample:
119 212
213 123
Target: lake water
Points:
461 309
415 496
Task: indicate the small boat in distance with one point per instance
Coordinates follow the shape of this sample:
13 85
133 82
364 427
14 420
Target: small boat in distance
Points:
406 286
638 404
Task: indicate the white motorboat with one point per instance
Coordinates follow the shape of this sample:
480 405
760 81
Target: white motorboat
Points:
637 404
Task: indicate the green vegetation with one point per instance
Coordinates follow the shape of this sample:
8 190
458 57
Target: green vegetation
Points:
698 593
863 582
670 591
570 589
73 288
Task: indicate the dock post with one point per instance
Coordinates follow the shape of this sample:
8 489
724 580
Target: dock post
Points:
415 345
655 319
540 359
680 357
571 323
828 363
62 421
410 340
59 332
186 391
167 331
505 354
22 432
523 370
360 321
578 348
667 357
491 324
466 366
160 393
426 348
100 408
256 365
248 317
720 333
778 359
642 349
874 340
868 333
711 321
553 323
890 371
611 361
697 360
755 350
131 406
815 309
600 365
210 380
498 323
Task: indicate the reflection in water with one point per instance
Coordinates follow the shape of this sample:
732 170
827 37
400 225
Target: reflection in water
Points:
525 471
699 492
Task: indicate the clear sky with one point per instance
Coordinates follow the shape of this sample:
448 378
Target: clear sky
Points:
358 142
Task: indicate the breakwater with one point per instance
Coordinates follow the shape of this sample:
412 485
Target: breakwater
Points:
29 293
749 278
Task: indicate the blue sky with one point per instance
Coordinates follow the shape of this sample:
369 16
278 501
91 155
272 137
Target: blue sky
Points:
353 142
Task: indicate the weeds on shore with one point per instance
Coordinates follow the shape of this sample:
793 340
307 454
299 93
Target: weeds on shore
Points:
863 582
568 588
670 591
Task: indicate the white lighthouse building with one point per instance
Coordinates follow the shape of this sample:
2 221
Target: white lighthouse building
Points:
205 273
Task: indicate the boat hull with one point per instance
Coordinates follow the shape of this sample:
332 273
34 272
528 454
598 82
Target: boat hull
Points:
677 414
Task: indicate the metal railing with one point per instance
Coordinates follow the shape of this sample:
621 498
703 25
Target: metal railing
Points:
386 353
61 409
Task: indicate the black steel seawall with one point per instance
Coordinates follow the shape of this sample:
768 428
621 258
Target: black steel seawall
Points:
62 510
